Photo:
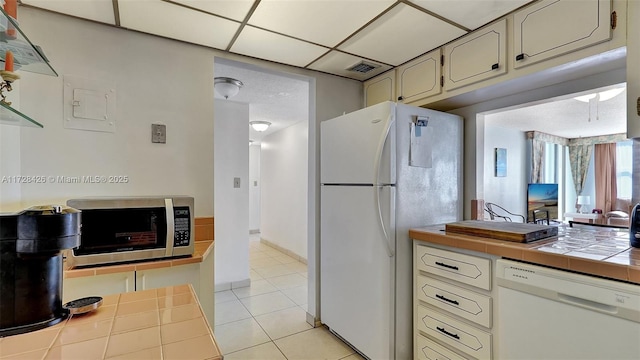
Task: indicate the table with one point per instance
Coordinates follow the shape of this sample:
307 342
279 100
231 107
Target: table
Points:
592 218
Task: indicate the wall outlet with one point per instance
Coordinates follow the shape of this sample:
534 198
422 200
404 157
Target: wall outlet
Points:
236 182
159 133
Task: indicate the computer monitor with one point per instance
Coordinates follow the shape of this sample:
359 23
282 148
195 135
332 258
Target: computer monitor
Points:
542 197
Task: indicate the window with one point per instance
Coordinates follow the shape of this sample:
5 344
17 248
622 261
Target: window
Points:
624 164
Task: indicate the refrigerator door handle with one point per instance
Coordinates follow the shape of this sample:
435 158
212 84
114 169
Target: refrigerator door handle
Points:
383 141
389 248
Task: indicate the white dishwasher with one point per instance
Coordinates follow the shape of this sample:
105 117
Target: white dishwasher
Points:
548 314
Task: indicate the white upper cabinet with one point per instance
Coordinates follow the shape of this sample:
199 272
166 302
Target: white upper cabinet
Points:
478 56
419 78
554 27
380 88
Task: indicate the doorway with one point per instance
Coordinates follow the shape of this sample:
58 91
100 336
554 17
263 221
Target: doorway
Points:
277 185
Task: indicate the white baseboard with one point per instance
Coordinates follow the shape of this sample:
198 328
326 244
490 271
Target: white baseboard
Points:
286 251
232 285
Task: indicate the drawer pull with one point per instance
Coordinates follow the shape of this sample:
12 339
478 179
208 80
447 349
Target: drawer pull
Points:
453 267
454 302
442 330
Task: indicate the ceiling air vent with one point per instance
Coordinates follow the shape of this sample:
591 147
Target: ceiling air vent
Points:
363 67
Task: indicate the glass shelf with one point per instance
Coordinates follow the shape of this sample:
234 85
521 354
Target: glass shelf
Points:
11 116
27 57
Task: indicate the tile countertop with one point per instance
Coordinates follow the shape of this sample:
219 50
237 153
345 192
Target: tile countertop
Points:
159 324
595 252
201 251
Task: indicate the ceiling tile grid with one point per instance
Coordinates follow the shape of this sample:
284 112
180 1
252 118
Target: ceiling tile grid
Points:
96 10
323 35
401 35
176 22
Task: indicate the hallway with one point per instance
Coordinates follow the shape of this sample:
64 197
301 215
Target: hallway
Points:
267 319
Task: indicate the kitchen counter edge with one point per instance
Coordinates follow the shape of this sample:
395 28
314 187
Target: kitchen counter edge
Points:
528 252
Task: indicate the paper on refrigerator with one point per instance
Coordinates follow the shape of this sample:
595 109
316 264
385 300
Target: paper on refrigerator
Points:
420 151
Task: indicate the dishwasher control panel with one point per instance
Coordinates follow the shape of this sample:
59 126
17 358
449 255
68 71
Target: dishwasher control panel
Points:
603 295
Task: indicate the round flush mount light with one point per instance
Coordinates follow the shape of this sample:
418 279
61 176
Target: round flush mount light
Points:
227 87
260 125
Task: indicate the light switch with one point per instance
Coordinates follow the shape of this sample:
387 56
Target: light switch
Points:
236 182
159 133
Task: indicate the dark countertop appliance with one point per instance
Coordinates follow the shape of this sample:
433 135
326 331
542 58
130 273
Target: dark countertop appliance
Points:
31 242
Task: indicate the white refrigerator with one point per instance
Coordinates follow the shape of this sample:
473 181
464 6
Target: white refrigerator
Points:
384 169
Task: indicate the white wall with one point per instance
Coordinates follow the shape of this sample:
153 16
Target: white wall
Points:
156 80
10 187
254 188
231 208
510 191
284 201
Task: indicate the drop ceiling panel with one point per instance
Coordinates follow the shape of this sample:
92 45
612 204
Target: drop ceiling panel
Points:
233 9
96 10
337 62
177 22
322 22
471 13
400 35
267 45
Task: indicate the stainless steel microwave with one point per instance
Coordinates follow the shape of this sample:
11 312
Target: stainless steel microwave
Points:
124 229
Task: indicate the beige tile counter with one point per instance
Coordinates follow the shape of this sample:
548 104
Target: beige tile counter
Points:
159 324
201 252
594 252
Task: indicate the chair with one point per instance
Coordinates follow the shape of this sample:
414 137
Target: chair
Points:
540 216
497 211
617 218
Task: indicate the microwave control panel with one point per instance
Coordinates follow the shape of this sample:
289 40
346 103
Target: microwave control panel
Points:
182 232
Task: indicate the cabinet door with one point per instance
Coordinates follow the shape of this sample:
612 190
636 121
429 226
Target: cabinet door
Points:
464 268
380 88
478 56
452 332
633 70
98 285
419 78
175 275
464 303
427 349
554 27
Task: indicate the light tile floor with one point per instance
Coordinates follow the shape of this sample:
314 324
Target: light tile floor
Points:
267 320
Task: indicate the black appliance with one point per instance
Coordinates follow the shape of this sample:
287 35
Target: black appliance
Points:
31 242
634 228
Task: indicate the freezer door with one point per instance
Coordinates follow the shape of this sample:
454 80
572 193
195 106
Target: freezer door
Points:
356 272
359 147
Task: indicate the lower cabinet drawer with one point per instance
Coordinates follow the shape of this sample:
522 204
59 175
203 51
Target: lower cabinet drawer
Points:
427 349
467 304
457 334
471 270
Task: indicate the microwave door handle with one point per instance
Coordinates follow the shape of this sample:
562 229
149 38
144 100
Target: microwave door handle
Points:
168 204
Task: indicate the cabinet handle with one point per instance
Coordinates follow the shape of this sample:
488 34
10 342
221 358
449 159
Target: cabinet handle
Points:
442 330
495 66
454 302
400 98
520 57
447 266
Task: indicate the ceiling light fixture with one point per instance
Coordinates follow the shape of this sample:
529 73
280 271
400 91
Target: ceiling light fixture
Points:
227 87
601 96
260 125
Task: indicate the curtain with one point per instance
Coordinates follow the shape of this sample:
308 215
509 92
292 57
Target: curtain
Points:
537 161
537 141
605 169
579 156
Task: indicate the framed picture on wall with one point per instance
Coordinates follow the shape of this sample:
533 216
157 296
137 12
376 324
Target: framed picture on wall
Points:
501 162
